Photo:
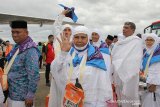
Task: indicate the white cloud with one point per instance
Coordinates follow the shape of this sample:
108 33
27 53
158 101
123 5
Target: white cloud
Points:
108 15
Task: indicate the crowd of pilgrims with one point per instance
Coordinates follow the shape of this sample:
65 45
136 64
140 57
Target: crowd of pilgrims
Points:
120 71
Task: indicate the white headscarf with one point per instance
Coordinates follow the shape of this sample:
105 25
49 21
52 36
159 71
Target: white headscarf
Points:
81 29
56 43
67 25
98 43
155 37
64 27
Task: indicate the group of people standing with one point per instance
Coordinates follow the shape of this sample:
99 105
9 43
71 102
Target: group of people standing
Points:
5 47
119 66
85 71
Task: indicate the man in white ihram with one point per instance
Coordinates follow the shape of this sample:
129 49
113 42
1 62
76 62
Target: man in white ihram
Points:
126 59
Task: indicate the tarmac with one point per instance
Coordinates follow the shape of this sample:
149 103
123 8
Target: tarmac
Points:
42 90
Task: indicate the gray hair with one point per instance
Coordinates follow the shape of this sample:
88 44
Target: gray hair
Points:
131 24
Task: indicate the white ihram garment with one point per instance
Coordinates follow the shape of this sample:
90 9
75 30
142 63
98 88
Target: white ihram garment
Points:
153 78
96 83
126 59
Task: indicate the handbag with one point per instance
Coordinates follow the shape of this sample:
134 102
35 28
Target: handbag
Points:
74 96
74 93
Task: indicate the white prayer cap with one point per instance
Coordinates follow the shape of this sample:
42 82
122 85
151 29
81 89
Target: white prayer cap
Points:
81 29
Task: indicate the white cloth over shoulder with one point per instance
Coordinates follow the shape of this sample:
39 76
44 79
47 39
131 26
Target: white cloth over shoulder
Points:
126 59
152 78
154 74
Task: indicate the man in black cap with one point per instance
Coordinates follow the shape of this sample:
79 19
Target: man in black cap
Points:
109 40
19 30
23 75
115 39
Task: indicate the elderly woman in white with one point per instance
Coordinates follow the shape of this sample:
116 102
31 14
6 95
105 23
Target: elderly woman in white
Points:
96 37
151 71
93 77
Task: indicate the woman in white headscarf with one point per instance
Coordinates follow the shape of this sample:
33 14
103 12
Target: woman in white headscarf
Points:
96 38
151 71
93 77
67 31
57 30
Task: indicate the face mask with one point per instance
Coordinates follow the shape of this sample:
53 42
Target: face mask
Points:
80 49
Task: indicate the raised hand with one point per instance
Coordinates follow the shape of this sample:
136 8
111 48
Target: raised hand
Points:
65 44
64 12
29 103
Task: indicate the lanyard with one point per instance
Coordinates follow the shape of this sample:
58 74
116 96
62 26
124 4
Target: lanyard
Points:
147 65
81 67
